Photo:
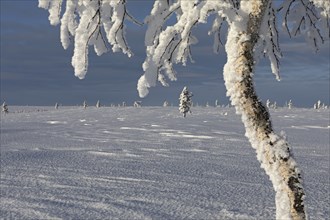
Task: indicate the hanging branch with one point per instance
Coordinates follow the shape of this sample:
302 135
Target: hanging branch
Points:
87 21
303 17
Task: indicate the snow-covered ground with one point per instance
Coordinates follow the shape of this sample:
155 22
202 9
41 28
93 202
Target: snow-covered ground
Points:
150 163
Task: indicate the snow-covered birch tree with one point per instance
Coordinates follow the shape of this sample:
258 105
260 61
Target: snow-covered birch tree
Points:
252 34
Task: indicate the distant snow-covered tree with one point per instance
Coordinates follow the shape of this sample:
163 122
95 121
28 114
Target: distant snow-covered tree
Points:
252 34
56 105
318 104
85 104
185 101
274 105
137 104
216 104
5 108
98 104
166 104
268 103
290 105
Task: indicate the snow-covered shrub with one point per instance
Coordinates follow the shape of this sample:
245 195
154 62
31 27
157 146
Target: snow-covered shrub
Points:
137 104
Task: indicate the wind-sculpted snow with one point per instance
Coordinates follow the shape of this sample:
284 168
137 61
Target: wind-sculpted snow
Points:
150 163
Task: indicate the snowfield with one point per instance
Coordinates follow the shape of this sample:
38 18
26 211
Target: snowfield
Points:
151 163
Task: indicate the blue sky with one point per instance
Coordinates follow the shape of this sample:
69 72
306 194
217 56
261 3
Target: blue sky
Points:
36 70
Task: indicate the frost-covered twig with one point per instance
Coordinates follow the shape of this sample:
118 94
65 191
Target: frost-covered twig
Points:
269 41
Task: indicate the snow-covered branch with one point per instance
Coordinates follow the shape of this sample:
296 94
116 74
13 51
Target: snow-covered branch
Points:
171 45
101 23
309 18
268 44
90 22
54 9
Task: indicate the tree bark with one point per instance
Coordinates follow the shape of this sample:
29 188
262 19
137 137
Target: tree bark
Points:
273 151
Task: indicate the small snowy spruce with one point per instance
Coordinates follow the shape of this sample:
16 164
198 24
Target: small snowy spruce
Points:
216 104
320 105
137 104
4 107
98 104
317 104
166 104
56 105
185 101
85 104
290 105
274 105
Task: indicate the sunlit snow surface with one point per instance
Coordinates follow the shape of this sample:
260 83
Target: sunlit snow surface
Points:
150 163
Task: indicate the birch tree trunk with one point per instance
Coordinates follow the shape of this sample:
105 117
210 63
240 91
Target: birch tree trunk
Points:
273 151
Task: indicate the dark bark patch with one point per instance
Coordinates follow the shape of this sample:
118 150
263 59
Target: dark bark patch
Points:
298 193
